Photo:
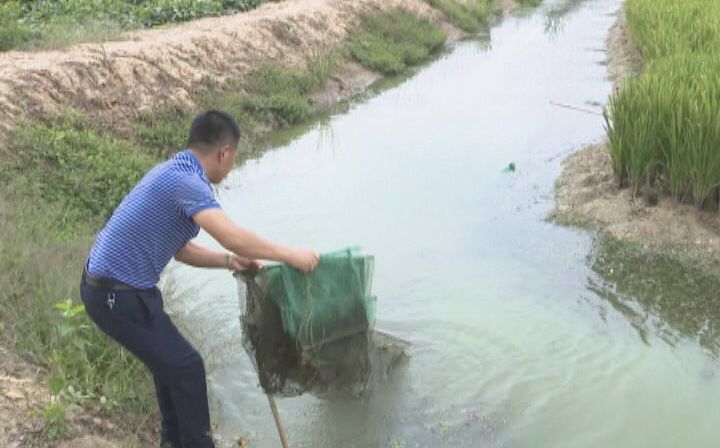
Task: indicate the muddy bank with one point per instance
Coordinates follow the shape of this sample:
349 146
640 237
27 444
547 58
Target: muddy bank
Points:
587 192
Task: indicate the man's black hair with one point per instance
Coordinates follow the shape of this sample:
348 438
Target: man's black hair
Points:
213 128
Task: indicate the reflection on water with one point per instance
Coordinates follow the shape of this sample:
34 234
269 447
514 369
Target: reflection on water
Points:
657 293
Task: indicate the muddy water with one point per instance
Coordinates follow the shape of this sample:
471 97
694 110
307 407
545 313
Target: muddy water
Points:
525 334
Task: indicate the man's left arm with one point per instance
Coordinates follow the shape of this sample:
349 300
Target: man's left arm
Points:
201 257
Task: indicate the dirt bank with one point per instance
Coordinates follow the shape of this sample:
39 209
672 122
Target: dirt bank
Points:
23 397
587 192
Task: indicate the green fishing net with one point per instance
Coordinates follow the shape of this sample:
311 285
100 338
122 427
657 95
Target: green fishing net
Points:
331 302
314 332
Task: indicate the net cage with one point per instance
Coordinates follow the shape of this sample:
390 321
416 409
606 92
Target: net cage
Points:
315 332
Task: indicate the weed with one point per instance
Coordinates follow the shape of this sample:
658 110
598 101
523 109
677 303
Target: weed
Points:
54 415
70 163
391 41
469 16
43 23
13 32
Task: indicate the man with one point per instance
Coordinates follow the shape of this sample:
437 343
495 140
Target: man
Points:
154 223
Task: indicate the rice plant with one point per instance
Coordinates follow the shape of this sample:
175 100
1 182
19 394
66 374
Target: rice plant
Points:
664 126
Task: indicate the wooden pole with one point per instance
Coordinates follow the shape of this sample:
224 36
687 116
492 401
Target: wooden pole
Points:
578 109
278 423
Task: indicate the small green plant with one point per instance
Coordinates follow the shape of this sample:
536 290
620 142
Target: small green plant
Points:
391 41
281 95
471 16
444 426
80 358
398 442
162 130
13 31
54 415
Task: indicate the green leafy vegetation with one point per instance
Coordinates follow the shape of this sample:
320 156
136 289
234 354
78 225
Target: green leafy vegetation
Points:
51 23
471 16
664 125
87 171
280 95
392 41
13 32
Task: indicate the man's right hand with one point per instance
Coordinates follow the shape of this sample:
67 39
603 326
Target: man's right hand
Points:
303 260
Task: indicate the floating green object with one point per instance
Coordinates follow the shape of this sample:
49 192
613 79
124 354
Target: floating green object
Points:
509 168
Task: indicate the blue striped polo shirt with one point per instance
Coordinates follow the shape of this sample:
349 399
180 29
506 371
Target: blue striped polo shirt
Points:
153 222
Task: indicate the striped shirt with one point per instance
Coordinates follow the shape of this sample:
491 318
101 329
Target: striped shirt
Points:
153 222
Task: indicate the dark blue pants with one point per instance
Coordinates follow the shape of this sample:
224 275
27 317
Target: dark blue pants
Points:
136 319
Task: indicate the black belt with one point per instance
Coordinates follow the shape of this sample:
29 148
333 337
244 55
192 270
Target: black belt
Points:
105 283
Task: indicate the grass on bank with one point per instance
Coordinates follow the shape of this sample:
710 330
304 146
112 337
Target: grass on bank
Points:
85 170
50 23
470 16
392 41
664 126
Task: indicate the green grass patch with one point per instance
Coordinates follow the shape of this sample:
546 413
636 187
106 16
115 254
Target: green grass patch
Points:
65 161
280 96
471 16
664 126
13 31
390 42
50 23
